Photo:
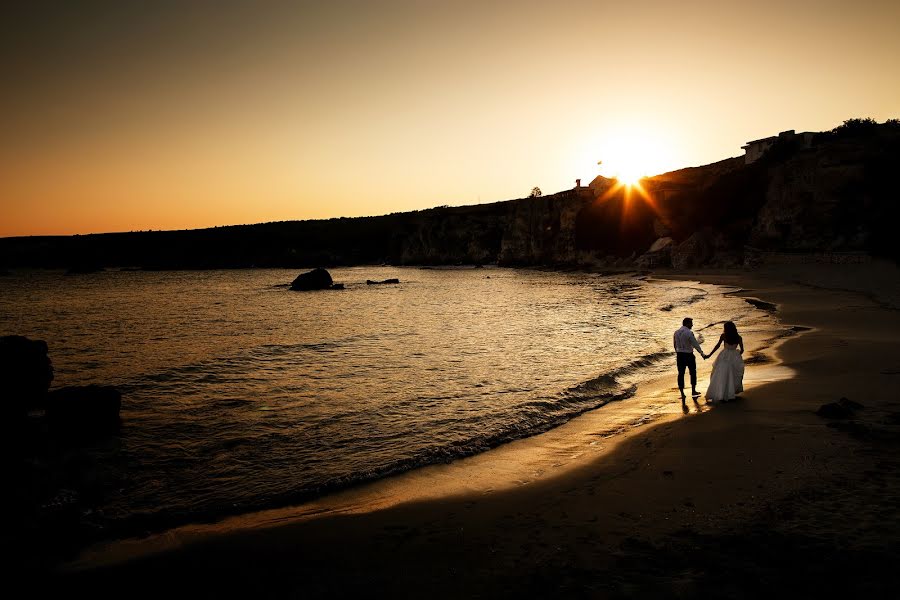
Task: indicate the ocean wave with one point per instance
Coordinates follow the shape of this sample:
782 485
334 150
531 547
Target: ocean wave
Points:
692 299
610 380
534 417
537 417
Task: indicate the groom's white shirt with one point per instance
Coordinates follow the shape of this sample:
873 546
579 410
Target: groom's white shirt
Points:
685 341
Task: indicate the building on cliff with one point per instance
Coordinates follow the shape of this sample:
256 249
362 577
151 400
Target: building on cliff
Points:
754 149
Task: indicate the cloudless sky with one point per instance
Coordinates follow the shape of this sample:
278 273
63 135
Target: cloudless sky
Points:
118 116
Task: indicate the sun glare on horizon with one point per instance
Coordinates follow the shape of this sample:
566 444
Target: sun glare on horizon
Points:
630 175
632 153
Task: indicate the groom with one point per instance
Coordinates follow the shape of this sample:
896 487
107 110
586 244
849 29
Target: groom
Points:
685 342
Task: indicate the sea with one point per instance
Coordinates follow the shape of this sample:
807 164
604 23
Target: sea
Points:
241 395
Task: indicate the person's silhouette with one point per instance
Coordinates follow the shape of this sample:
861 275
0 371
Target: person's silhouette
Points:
685 342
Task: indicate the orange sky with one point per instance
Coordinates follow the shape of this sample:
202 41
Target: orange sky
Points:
117 118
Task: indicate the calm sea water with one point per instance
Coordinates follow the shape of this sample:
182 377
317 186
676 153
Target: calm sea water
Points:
239 395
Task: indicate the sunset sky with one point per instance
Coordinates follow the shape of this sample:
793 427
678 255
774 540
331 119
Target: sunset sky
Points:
123 116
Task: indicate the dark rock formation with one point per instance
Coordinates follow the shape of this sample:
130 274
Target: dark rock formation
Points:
659 254
834 410
838 195
87 409
25 375
370 282
337 286
847 403
842 409
661 244
451 235
317 279
544 230
661 229
692 252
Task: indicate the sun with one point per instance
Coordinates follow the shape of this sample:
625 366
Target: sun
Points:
630 175
629 161
631 153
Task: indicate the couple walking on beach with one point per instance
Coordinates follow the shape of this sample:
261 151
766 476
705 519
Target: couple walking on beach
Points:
727 379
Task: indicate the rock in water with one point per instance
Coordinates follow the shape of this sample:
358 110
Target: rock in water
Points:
317 279
370 282
25 374
84 409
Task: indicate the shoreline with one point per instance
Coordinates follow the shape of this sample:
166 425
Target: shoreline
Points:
572 529
513 463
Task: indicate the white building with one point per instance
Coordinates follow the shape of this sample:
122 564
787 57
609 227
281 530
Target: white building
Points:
756 148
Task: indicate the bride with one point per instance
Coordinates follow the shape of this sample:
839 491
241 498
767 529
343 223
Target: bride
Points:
727 379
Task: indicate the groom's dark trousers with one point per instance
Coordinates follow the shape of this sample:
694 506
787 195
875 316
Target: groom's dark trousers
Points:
686 360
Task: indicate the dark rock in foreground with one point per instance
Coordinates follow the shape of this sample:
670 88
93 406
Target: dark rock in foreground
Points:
847 403
317 279
84 409
370 282
834 410
25 374
842 409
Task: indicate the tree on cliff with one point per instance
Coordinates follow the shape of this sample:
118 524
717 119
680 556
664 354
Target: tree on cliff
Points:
535 192
855 127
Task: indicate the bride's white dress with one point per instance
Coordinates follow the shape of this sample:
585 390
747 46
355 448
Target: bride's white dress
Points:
727 379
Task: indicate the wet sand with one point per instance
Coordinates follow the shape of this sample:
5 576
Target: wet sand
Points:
755 496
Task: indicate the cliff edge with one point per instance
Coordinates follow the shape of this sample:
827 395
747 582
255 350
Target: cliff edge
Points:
834 193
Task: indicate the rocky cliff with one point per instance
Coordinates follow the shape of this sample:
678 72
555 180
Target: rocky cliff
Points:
838 195
544 230
470 235
835 195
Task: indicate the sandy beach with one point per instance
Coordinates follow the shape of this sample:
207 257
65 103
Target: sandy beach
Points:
756 496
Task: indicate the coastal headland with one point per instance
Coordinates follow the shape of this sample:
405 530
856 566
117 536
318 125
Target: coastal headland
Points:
757 496
830 193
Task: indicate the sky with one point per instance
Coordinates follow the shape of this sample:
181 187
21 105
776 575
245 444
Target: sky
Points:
121 116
